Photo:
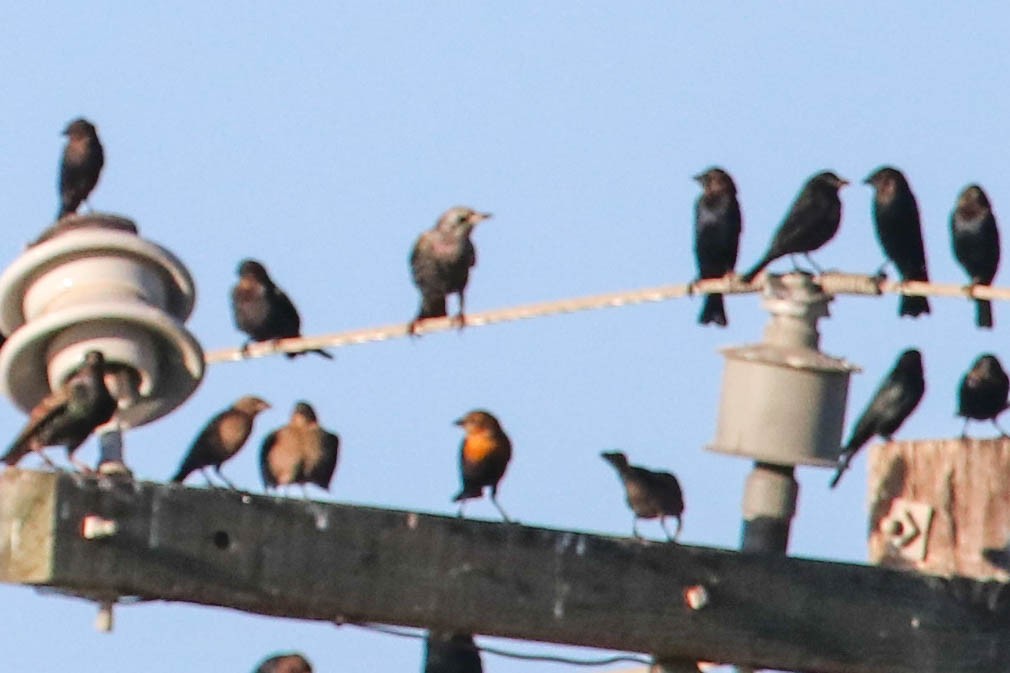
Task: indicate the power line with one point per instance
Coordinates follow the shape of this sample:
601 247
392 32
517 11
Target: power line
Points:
832 283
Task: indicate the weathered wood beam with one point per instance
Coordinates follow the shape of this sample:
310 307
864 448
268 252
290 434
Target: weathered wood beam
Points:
323 561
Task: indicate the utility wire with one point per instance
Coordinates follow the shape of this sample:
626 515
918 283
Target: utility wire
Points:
421 635
832 283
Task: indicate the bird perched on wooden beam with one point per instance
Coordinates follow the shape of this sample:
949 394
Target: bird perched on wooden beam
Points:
440 263
483 457
68 414
221 439
291 662
83 158
650 494
451 653
896 221
716 236
811 222
896 398
262 310
983 392
301 452
976 244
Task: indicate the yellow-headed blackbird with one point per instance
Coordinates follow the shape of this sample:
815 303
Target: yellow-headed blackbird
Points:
221 439
301 452
483 457
650 494
67 415
440 262
82 163
716 236
811 222
262 310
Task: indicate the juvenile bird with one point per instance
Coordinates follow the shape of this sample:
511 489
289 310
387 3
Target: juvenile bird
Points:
221 439
483 457
896 216
896 398
285 663
262 310
451 653
82 163
976 244
811 222
301 452
440 263
983 392
650 494
68 414
716 236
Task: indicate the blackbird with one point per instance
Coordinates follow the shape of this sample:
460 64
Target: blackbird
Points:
716 236
976 244
650 494
221 439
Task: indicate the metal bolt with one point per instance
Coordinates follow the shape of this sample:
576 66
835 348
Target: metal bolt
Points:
696 597
94 527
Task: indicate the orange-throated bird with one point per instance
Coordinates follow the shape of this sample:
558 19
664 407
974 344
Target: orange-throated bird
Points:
483 457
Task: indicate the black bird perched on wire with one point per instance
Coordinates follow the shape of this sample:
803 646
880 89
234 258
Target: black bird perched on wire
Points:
983 392
976 244
811 222
483 456
440 263
291 662
262 310
650 494
68 414
896 219
301 452
716 236
896 398
451 653
221 439
83 158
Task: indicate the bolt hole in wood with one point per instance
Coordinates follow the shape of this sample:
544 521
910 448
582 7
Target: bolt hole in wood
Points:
222 540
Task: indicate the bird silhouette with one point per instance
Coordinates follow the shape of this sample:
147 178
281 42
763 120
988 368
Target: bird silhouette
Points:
976 244
983 392
650 494
223 436
451 653
83 158
716 236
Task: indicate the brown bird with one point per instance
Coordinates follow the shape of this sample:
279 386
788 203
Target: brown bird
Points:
221 439
483 457
440 263
82 163
650 494
983 392
301 452
291 662
976 244
67 415
451 653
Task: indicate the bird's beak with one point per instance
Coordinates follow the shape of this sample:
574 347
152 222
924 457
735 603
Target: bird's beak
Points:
699 178
842 182
480 217
458 421
868 180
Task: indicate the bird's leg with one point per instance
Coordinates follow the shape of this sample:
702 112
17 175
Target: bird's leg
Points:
84 468
504 516
48 461
881 273
810 259
662 522
1002 432
217 470
796 267
305 491
964 429
634 528
460 319
459 512
680 524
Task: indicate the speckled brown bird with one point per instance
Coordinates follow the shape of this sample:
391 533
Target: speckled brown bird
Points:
716 236
221 439
976 244
896 221
83 158
440 263
483 457
812 221
67 415
451 653
291 662
262 310
650 494
983 392
301 452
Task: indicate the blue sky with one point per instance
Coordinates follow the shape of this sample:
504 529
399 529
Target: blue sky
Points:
322 138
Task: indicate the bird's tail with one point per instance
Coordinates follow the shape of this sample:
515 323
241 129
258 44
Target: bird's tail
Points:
468 492
757 268
184 471
317 351
713 310
912 306
843 465
983 313
432 306
14 454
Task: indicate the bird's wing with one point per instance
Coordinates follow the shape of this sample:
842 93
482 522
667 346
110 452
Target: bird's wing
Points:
323 472
265 447
44 412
